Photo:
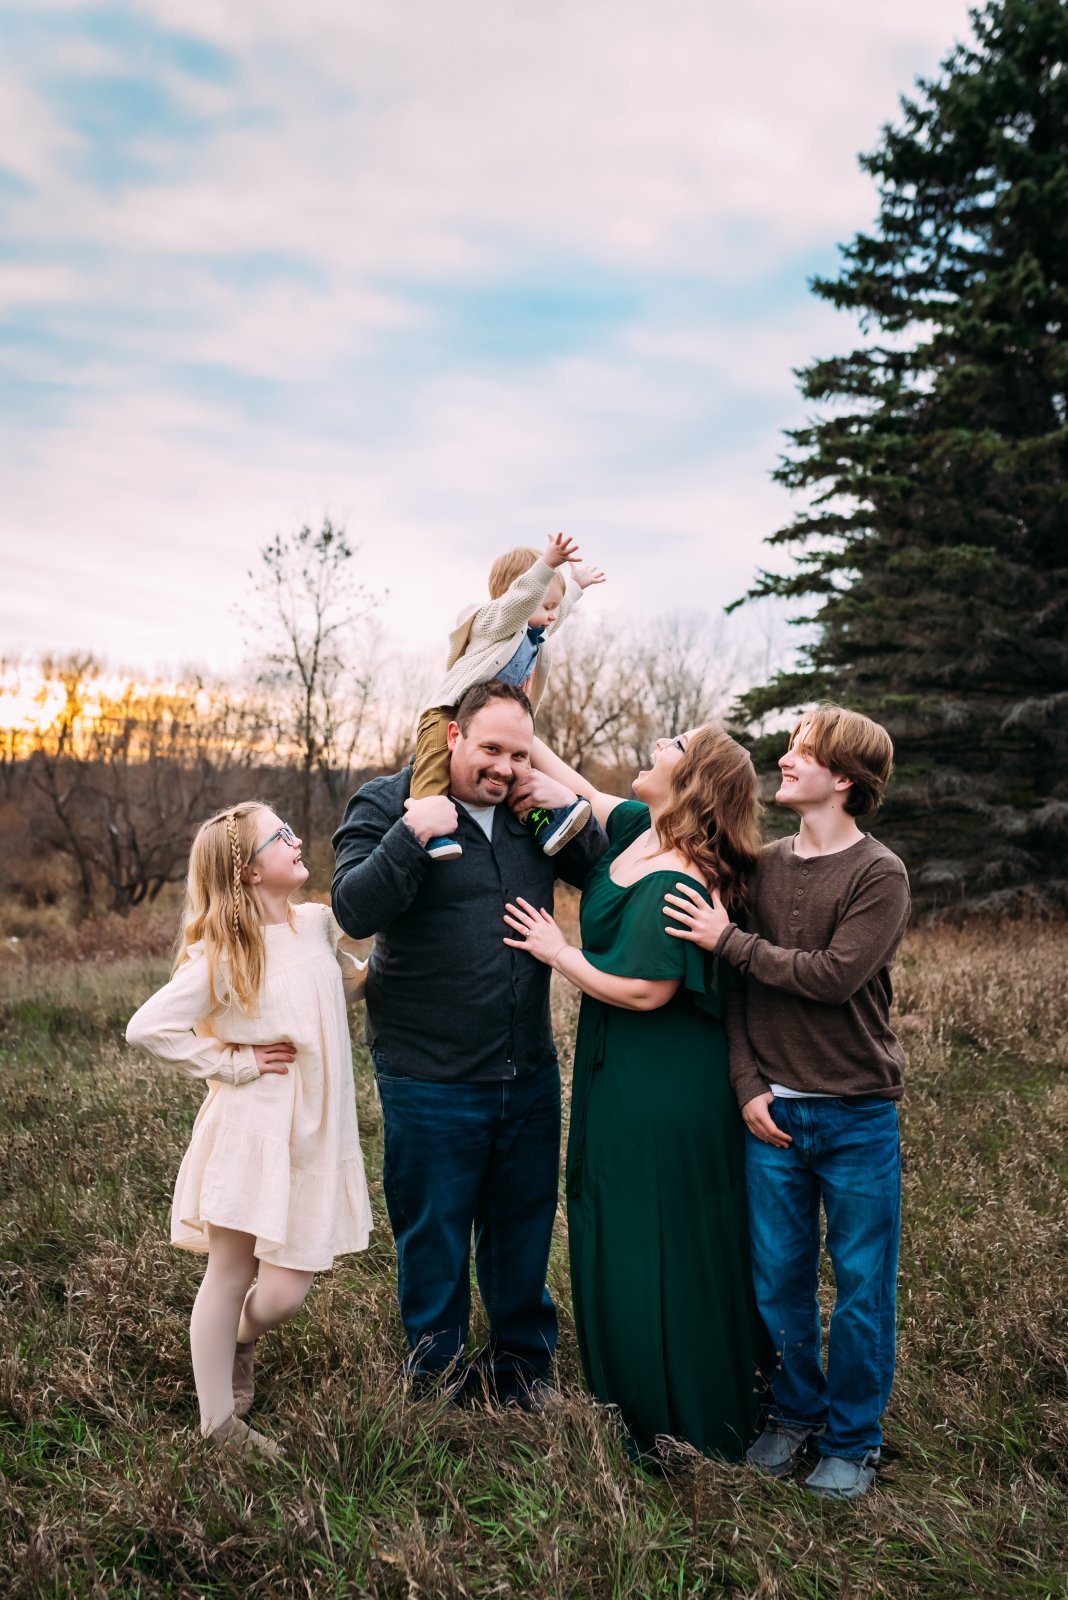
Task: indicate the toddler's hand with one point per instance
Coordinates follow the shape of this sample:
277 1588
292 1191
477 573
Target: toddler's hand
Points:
586 573
560 551
274 1057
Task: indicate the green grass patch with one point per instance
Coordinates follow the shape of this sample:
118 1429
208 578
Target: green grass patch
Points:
106 1489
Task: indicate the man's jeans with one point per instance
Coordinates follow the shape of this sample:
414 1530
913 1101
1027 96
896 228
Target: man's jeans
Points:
847 1153
487 1156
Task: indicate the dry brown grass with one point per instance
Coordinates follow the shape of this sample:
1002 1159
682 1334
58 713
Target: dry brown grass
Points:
106 1491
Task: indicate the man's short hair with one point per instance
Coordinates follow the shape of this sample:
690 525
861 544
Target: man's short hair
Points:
483 694
852 746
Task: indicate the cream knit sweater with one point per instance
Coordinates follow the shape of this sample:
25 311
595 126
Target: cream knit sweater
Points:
486 637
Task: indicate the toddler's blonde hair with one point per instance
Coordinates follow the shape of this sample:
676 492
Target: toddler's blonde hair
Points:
507 568
221 907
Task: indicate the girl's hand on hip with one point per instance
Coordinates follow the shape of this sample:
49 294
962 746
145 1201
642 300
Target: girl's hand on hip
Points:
703 924
541 936
274 1057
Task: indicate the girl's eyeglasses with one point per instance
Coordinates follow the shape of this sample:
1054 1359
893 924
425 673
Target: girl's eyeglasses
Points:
285 833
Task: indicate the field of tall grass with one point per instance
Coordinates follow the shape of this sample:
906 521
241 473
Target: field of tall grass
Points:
106 1490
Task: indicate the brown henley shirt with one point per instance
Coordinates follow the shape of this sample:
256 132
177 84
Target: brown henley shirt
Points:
814 1009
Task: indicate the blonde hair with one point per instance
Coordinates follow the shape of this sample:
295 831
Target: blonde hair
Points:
221 908
507 568
851 746
713 816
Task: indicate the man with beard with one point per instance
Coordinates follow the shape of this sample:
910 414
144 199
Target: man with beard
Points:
460 1036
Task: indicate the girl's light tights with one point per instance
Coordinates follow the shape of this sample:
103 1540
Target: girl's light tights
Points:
230 1307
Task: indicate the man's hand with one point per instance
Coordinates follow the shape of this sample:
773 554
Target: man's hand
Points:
274 1057
431 817
560 551
533 788
756 1114
541 936
702 924
586 573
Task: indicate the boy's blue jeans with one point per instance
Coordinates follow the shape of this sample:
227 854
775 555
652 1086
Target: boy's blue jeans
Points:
484 1156
845 1152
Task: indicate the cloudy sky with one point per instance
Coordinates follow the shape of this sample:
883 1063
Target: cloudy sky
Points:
456 273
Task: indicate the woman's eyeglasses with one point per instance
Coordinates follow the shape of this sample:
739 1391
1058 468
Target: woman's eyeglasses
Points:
285 833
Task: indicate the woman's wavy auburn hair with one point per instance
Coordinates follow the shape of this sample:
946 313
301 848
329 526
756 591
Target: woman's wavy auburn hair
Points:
713 816
221 907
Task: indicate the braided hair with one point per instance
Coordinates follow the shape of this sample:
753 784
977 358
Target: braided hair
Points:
236 882
221 909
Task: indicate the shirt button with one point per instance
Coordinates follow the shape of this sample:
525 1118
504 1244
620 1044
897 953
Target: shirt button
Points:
804 872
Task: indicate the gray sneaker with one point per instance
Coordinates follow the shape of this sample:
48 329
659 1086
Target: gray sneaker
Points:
841 1479
779 1449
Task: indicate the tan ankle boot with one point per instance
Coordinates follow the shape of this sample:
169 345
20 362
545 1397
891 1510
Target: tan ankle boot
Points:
233 1434
244 1382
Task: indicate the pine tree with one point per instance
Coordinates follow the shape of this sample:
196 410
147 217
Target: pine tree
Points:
935 545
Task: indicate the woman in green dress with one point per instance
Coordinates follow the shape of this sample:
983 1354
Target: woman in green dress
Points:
666 1322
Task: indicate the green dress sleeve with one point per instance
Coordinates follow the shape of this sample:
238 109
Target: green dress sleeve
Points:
638 946
625 822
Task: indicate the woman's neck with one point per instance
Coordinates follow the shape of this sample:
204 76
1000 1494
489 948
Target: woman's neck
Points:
655 813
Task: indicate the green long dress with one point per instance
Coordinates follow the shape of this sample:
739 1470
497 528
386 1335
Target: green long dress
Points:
666 1322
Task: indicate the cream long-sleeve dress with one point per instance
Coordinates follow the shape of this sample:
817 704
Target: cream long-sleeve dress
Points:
277 1155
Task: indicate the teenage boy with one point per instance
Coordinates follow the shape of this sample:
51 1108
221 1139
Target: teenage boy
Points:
818 1073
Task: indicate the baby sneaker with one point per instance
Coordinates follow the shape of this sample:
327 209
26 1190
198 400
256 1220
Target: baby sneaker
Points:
443 848
553 829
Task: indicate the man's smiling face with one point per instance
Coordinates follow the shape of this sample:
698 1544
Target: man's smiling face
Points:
495 750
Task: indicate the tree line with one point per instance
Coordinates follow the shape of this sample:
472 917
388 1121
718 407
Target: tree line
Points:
930 557
100 799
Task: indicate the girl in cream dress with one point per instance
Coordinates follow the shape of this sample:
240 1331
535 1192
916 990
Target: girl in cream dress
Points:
272 1185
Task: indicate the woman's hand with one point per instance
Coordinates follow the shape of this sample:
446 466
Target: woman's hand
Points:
701 923
541 939
532 789
274 1057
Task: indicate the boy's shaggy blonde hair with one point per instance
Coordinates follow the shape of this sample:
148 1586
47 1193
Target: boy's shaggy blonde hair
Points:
507 568
851 746
221 907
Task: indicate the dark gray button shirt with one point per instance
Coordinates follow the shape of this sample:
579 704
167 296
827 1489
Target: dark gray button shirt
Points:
447 999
